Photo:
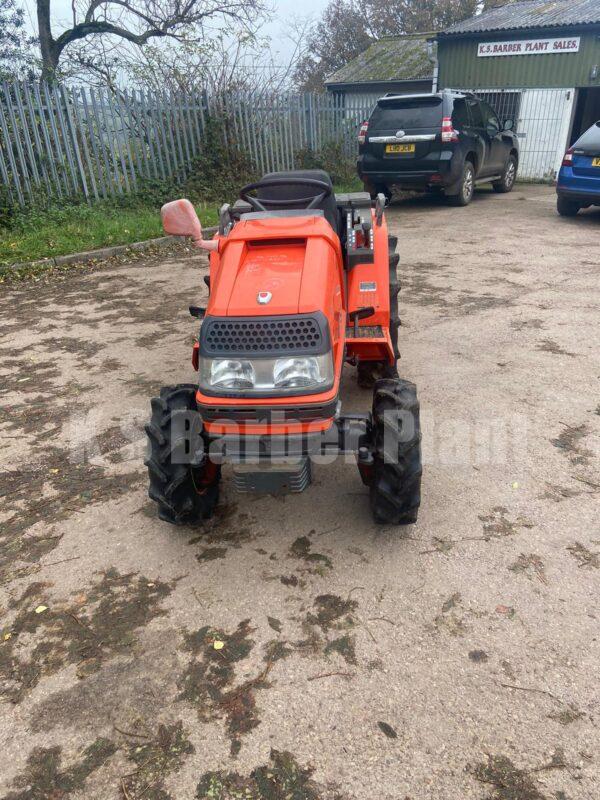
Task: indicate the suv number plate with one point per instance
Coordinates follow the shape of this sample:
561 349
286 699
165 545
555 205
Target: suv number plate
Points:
399 148
596 162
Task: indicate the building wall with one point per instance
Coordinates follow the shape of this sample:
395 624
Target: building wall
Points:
368 94
461 66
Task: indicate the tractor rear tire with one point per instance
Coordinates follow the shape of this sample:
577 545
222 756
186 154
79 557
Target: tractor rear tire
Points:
395 491
185 486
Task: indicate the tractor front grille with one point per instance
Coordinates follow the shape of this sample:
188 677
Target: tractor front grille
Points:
264 336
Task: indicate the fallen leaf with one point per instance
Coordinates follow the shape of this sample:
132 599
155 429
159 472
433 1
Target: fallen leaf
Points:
478 656
508 611
274 623
388 730
41 609
218 645
7 636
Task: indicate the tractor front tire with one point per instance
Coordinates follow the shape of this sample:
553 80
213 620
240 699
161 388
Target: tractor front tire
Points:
395 490
184 485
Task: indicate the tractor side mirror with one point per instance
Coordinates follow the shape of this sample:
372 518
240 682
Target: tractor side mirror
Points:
179 218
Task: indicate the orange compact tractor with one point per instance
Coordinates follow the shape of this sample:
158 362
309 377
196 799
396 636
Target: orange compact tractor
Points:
301 282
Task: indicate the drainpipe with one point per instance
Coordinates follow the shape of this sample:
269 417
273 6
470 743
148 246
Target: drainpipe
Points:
432 56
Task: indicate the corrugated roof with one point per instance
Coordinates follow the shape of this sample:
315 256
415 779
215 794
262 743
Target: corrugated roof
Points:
530 14
397 58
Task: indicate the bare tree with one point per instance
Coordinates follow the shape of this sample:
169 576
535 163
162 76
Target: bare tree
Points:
135 21
348 27
225 62
340 34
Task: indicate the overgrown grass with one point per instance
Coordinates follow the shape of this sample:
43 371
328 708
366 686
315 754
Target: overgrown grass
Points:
73 229
353 185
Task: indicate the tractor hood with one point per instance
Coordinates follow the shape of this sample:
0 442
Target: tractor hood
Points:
275 266
269 279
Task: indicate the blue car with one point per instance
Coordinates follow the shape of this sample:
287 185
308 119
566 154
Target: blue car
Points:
579 177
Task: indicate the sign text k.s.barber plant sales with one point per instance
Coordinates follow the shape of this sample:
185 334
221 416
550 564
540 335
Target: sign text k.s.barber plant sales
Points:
529 47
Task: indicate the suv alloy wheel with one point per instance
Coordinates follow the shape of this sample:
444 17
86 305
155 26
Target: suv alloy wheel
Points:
466 186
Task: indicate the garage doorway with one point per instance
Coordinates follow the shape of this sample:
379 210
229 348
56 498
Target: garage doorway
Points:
587 111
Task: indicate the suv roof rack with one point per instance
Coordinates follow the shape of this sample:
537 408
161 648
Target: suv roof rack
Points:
426 95
421 96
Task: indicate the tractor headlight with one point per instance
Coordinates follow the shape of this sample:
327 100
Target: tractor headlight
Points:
293 375
296 373
230 374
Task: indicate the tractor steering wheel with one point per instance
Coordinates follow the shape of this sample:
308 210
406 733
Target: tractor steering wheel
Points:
303 202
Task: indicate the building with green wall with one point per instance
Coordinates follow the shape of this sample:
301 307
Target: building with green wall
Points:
538 62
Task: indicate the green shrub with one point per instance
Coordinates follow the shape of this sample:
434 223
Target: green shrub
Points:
332 159
222 167
7 208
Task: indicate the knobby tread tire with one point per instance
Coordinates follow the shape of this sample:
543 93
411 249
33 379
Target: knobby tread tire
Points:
395 493
177 488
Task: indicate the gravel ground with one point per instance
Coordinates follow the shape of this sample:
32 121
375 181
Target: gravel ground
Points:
291 648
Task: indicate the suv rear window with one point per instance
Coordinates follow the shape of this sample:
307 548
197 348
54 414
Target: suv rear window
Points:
395 114
590 139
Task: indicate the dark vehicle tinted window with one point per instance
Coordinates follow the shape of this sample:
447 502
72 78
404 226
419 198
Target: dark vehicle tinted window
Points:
460 115
490 118
407 114
590 139
475 112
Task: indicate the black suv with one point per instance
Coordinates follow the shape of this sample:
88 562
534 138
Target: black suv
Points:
429 142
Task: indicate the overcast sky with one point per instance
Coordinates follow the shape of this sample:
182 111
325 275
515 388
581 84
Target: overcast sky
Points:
285 11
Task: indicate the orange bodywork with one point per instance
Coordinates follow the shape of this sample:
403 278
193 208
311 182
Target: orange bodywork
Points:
368 285
299 261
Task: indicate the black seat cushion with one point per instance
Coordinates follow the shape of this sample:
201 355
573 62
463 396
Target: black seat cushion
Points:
296 192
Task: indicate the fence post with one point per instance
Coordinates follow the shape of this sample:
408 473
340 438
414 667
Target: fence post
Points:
10 155
44 124
17 140
86 152
94 136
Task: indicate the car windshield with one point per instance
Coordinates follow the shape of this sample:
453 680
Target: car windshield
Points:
407 114
590 139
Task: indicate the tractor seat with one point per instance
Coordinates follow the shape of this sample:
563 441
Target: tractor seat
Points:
291 192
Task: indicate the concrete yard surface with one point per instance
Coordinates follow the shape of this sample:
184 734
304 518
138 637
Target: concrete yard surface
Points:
291 648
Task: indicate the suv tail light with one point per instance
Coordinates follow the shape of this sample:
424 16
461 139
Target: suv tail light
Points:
362 133
568 159
448 132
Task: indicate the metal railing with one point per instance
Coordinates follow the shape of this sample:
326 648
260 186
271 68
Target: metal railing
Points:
65 141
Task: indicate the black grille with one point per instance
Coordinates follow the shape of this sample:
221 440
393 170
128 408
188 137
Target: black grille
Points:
264 336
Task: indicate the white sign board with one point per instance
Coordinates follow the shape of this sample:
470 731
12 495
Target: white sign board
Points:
529 47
